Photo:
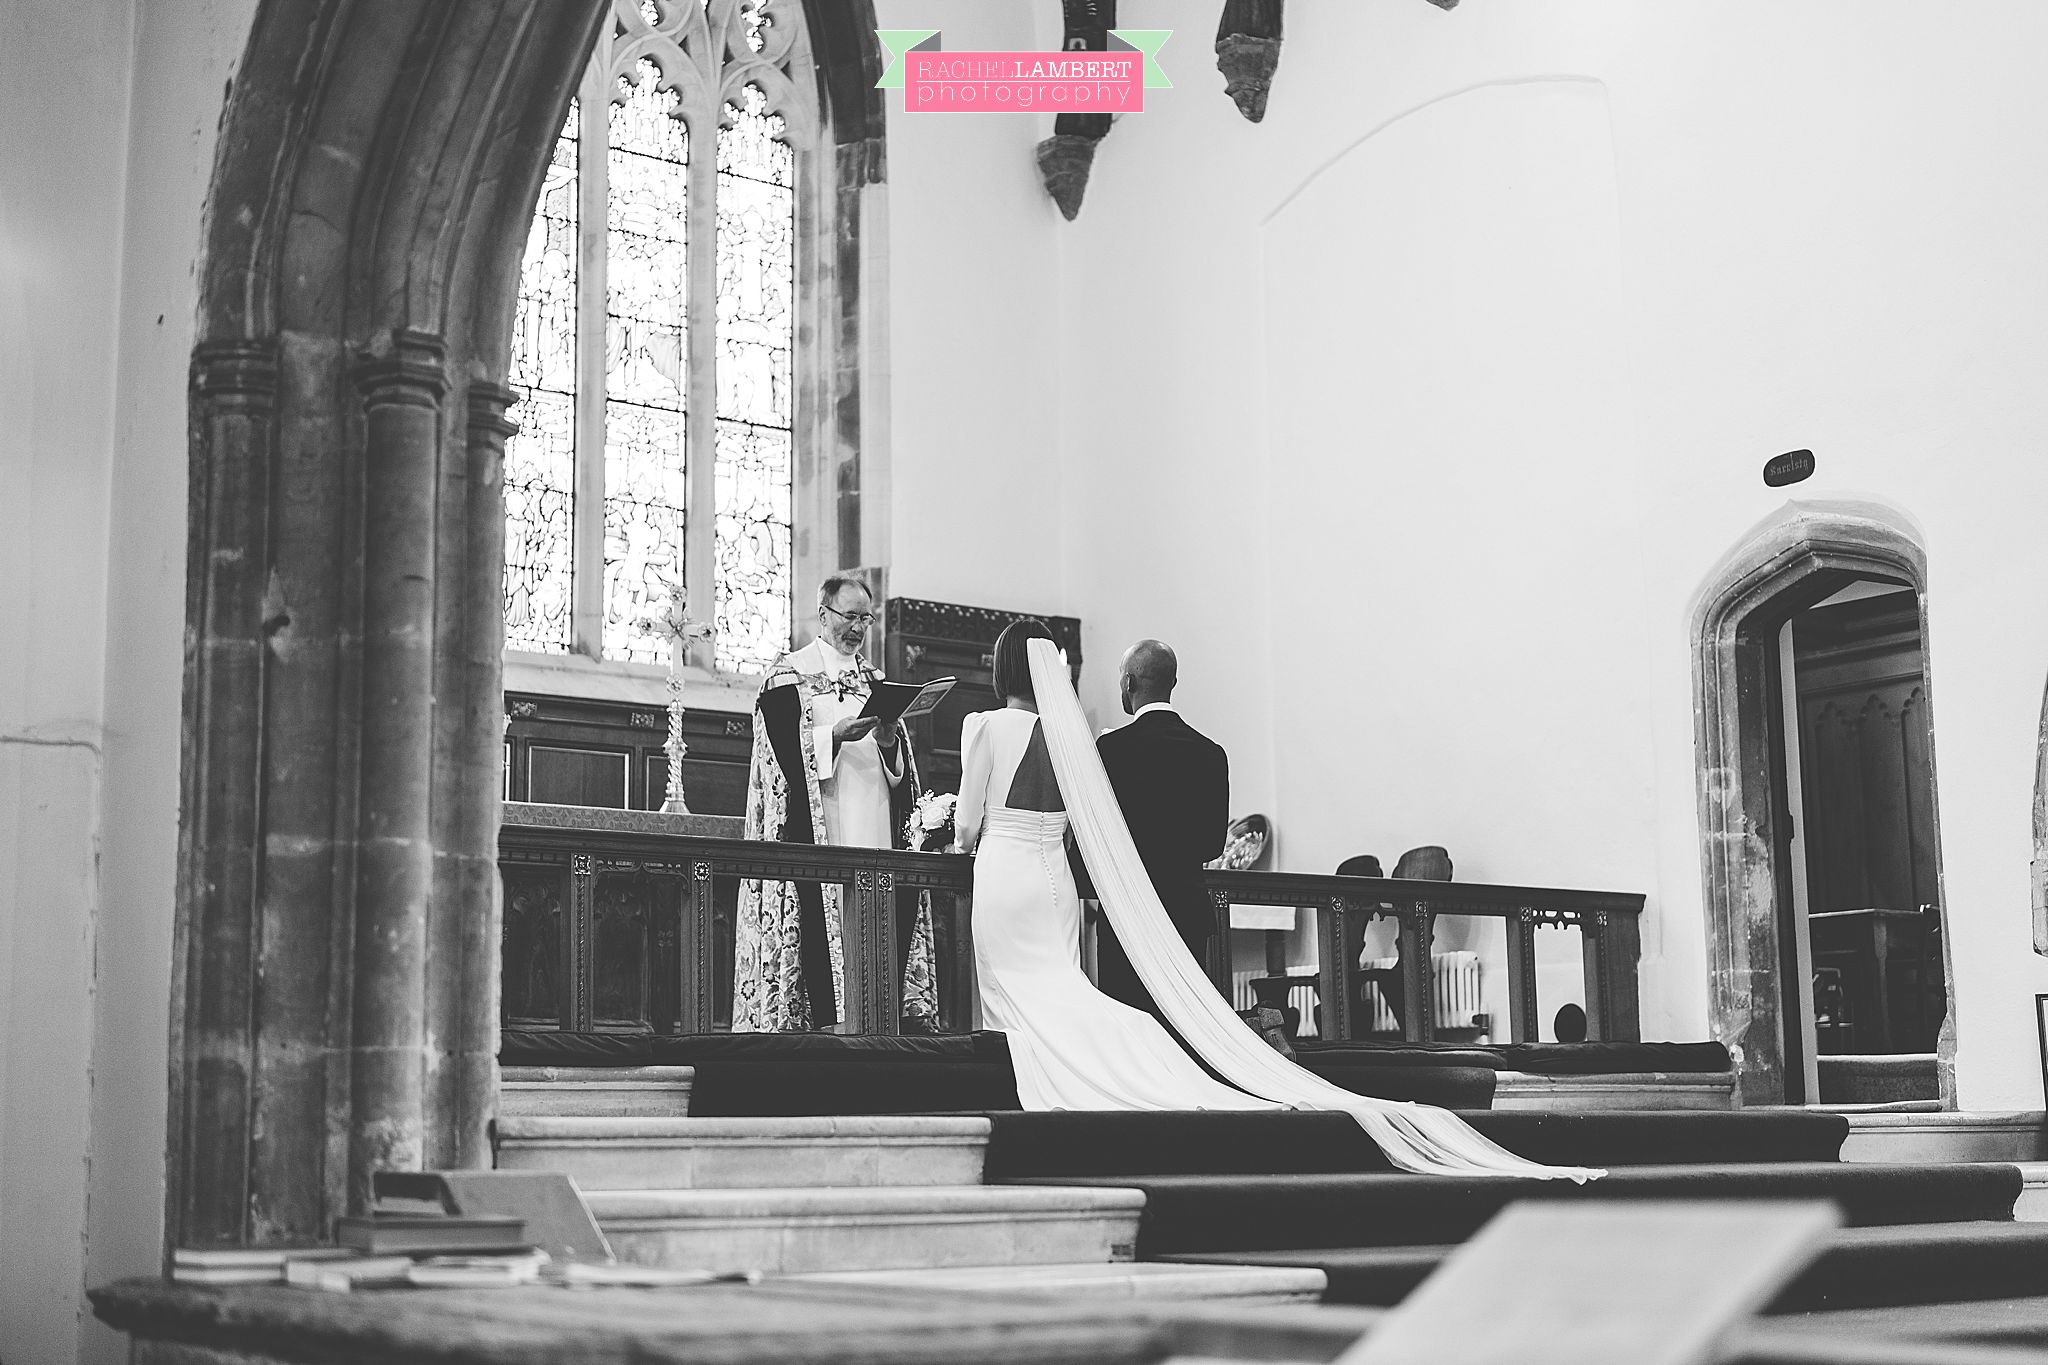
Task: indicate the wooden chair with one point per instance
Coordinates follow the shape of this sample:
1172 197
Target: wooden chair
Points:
1833 1020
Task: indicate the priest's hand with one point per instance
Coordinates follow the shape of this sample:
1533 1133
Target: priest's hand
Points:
851 729
888 733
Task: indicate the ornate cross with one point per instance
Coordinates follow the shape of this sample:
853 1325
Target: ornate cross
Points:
674 624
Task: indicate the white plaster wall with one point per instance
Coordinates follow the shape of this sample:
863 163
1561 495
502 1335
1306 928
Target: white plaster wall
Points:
1444 395
103 185
1822 231
193 48
974 369
65 101
1161 413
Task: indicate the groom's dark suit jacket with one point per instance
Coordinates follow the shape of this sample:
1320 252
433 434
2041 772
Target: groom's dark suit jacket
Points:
1174 786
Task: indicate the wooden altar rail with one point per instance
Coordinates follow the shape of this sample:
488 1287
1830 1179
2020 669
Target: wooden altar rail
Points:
674 877
1609 925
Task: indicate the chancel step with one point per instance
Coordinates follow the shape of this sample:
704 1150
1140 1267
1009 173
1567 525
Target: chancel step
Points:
2032 1205
1952 1135
797 1231
1190 1213
1859 1268
1151 1280
1638 1090
737 1153
595 1091
1054 1144
1878 1078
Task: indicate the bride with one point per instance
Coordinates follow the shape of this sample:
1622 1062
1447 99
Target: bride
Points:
1030 770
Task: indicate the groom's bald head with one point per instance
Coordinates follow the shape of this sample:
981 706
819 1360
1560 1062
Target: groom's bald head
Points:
1148 674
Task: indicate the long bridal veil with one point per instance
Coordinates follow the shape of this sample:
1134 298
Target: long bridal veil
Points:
1415 1137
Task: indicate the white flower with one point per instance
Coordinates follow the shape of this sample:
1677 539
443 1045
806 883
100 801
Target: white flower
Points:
932 811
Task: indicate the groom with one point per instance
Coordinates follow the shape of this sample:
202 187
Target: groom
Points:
1174 786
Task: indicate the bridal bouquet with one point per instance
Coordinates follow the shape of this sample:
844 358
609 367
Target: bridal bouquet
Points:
930 826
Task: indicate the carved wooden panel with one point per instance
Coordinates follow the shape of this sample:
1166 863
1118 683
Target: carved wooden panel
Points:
575 751
560 775
1864 761
622 915
929 640
531 991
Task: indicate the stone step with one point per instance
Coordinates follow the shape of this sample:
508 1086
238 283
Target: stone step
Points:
746 1153
1955 1135
1878 1077
1148 1280
1241 1333
805 1230
595 1091
2032 1205
1630 1090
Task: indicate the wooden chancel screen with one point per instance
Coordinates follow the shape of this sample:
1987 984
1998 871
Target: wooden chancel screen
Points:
927 640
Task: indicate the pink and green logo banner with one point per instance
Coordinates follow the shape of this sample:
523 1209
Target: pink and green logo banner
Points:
936 81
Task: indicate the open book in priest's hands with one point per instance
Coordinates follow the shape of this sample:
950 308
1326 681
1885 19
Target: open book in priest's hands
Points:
893 701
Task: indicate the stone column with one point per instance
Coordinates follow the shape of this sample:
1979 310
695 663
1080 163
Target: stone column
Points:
297 1172
479 905
401 386
213 981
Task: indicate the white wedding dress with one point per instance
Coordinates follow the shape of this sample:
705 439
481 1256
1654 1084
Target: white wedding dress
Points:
1024 777
1072 1046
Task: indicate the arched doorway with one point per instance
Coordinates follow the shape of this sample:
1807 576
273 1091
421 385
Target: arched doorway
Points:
1809 651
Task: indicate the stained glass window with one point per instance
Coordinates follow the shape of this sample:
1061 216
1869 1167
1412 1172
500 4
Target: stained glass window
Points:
756 336
609 295
647 284
540 462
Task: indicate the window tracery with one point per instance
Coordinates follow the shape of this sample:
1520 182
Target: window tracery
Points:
658 439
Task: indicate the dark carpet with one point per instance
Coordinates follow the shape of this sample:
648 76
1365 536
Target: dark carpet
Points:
1860 1268
1550 1059
830 1073
1221 1143
1446 1087
796 1086
1186 1213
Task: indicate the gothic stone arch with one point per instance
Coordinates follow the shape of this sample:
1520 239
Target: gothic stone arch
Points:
1794 558
335 986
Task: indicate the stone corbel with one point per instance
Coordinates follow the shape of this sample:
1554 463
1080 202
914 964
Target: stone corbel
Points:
1065 158
1248 52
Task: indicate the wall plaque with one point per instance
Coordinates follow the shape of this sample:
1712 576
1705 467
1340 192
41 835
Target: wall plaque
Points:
1790 467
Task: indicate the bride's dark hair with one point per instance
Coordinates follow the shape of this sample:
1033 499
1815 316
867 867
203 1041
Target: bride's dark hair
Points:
1012 663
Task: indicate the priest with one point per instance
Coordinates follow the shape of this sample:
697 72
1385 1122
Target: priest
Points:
822 774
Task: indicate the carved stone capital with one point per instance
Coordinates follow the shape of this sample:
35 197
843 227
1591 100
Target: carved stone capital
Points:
487 405
408 368
241 374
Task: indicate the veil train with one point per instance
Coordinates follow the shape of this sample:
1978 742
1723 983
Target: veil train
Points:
1415 1137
